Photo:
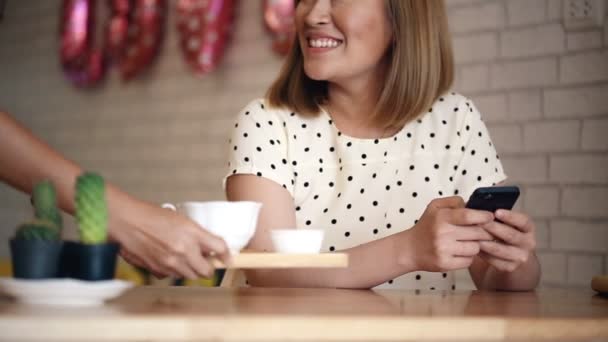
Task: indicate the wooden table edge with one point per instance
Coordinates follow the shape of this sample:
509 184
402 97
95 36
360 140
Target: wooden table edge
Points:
281 328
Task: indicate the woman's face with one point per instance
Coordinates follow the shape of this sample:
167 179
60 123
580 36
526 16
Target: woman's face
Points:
342 40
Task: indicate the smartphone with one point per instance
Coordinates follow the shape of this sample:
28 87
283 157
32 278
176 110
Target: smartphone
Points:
493 198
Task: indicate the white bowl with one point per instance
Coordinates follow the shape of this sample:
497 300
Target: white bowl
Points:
235 222
297 241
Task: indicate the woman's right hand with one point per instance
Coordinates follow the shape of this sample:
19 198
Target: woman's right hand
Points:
447 235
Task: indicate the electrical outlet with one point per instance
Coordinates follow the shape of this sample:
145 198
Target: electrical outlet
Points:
583 14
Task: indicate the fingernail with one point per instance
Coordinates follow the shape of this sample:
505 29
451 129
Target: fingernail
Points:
500 213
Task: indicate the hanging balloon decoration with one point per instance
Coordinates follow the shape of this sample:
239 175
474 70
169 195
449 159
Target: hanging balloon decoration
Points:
204 28
144 37
132 37
82 62
279 20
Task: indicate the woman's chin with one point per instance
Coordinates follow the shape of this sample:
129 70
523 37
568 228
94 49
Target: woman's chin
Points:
318 74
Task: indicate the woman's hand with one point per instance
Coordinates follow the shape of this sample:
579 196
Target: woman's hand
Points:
166 243
517 241
447 235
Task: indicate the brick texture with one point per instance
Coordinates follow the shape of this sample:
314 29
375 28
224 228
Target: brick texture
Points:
579 236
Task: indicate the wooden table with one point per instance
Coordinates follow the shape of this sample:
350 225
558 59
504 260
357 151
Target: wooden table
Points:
258 314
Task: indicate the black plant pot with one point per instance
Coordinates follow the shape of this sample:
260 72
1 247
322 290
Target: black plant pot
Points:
88 262
35 259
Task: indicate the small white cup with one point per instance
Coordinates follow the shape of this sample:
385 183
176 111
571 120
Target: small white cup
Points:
297 241
235 222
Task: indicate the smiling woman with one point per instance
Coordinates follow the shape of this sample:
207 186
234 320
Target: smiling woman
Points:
360 136
405 45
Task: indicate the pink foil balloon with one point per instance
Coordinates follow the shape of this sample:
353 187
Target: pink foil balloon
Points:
143 37
82 63
204 27
279 19
133 35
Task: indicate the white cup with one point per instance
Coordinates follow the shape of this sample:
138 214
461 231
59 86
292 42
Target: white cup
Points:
235 222
297 241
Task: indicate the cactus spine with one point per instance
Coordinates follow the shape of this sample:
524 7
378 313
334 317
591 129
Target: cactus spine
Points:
48 223
38 230
91 208
45 204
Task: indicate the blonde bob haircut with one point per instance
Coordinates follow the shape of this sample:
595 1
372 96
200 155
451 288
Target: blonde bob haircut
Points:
420 67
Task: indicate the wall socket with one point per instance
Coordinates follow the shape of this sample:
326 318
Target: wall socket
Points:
583 14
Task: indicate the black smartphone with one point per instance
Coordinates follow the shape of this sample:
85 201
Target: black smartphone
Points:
493 198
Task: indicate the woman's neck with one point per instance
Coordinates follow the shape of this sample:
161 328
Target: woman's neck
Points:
352 103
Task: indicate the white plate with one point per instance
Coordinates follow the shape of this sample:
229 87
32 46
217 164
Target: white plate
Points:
65 292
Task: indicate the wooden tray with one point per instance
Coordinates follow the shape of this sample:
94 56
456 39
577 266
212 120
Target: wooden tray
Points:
277 260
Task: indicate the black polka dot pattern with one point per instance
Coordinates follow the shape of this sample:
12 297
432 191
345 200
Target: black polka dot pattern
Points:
360 190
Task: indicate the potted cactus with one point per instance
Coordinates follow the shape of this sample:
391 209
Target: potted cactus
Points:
93 257
36 247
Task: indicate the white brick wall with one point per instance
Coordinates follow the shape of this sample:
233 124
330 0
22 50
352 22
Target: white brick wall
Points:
594 135
577 41
553 267
522 12
526 169
524 74
585 201
584 67
524 42
579 236
542 201
579 168
552 136
545 100
581 268
542 91
576 102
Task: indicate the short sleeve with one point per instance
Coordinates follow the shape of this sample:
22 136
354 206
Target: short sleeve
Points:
479 164
259 146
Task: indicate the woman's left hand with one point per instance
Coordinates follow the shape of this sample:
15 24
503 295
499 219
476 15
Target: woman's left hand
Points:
516 241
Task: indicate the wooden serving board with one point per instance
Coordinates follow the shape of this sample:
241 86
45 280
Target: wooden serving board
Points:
277 260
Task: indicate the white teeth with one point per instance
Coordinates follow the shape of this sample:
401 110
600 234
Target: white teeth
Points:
323 42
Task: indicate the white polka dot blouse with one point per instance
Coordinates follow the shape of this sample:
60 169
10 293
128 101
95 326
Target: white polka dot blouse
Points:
360 190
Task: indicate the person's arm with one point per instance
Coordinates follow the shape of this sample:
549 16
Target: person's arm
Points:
164 242
509 264
437 242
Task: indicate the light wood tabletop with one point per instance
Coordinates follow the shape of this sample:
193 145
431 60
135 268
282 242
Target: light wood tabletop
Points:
266 314
276 260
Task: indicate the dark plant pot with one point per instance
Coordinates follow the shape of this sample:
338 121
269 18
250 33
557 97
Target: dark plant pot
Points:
35 259
88 262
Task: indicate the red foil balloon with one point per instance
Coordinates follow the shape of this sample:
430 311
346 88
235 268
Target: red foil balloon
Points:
82 63
117 28
143 37
279 19
204 27
132 36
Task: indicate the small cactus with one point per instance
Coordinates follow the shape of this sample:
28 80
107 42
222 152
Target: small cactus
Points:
91 209
38 230
45 203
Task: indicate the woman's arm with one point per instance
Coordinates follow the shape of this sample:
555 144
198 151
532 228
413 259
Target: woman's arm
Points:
152 237
435 243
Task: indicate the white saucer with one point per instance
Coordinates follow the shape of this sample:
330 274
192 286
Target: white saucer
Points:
64 292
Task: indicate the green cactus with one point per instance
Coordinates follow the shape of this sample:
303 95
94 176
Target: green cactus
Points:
91 209
38 230
45 204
